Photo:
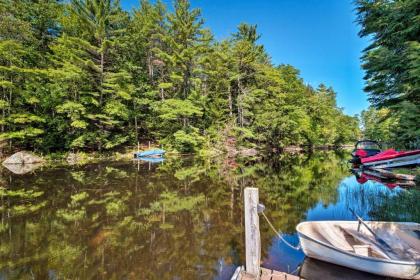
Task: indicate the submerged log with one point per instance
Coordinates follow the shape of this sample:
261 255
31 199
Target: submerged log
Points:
23 158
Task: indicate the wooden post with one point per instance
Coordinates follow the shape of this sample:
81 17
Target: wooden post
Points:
252 232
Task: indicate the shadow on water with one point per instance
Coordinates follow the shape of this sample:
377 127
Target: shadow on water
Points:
178 219
319 270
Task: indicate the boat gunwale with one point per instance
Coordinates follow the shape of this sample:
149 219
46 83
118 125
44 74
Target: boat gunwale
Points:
352 253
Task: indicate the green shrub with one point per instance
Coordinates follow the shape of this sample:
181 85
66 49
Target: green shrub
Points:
187 142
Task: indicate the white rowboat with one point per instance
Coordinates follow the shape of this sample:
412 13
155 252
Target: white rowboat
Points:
394 252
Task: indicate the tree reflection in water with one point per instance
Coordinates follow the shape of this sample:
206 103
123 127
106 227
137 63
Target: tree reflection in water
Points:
182 219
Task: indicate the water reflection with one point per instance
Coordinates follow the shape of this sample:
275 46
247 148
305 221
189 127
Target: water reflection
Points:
363 176
21 169
178 219
370 200
319 270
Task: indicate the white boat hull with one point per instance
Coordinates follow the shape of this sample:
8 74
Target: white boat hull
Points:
318 250
395 162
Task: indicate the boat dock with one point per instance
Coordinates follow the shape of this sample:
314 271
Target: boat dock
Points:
253 270
265 274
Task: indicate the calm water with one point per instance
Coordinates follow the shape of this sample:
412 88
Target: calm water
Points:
180 219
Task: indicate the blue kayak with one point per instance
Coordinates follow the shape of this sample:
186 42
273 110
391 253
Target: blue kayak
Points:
149 153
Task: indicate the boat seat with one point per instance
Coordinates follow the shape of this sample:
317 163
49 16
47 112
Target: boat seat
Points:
374 245
363 250
398 248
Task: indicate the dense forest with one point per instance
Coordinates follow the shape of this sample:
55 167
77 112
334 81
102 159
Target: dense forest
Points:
88 75
392 65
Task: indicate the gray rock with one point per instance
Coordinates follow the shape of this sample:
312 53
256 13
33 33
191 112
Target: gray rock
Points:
72 158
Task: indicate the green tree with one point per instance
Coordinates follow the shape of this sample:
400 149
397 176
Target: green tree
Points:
183 45
377 125
94 89
392 61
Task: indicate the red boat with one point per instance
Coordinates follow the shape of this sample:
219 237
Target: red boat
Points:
364 149
368 153
391 154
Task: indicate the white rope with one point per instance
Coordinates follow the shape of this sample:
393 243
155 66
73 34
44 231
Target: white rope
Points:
280 234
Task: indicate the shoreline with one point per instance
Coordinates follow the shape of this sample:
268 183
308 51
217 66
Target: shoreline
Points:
82 157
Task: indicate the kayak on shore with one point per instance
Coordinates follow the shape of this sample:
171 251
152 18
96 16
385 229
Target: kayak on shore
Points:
150 153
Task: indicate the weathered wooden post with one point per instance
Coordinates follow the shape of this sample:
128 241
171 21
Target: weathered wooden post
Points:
252 232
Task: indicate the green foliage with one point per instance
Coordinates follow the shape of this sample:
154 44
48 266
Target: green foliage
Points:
396 127
377 125
114 208
85 75
392 65
187 141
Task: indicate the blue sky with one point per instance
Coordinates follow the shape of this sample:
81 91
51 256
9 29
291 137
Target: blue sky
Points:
319 37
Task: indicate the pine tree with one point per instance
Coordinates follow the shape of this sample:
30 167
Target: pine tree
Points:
182 47
97 90
146 29
392 61
21 78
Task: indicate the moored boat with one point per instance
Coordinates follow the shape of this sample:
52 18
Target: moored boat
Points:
388 249
368 153
149 153
364 149
392 158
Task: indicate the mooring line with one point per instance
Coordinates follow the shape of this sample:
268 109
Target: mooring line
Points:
279 234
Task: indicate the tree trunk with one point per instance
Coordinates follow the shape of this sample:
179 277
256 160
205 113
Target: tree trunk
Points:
230 101
162 94
10 97
135 121
10 109
3 113
150 66
101 71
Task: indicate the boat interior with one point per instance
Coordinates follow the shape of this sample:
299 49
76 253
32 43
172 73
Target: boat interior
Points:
392 241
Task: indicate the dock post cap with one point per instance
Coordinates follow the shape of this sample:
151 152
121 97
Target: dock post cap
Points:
260 208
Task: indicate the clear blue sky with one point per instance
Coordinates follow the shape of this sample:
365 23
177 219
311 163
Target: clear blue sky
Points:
319 37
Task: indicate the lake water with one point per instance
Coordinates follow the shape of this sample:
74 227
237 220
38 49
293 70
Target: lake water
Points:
178 219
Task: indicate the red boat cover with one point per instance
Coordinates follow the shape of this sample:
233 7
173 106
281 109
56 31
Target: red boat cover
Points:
361 153
389 154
